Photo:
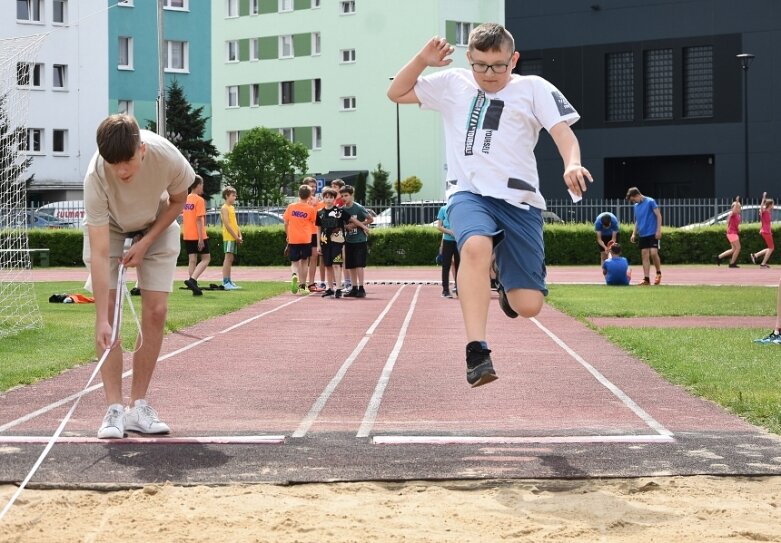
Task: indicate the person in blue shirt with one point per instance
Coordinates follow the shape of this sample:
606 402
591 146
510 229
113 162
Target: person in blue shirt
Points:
616 268
606 227
647 231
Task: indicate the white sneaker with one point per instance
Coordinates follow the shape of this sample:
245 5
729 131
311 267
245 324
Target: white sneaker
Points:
113 426
229 286
142 418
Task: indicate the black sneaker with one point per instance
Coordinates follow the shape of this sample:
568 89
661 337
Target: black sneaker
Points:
504 303
446 294
479 369
338 293
328 293
192 284
353 293
135 291
733 266
361 292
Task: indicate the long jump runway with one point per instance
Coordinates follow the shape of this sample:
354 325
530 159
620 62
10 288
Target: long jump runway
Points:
305 389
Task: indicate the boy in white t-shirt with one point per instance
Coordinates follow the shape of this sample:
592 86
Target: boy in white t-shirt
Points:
492 120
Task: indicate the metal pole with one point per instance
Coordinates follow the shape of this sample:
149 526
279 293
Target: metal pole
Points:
745 130
398 163
161 71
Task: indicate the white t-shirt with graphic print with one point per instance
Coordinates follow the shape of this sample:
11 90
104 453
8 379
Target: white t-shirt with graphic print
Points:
491 137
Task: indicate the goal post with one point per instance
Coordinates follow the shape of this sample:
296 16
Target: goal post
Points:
18 72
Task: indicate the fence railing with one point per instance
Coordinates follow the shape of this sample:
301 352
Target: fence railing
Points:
675 212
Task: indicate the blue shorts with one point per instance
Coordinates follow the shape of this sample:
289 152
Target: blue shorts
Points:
516 235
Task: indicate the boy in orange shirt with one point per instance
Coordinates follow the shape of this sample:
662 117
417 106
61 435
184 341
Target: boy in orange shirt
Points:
299 221
194 234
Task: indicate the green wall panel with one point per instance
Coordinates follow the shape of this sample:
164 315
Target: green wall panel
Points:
244 50
302 91
269 47
243 95
268 6
302 4
243 8
450 32
269 94
302 44
303 135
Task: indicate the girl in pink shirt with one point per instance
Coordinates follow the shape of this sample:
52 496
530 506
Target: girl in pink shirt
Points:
765 218
733 235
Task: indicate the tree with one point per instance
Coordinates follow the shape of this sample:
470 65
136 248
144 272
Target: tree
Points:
381 189
263 166
185 128
411 185
12 165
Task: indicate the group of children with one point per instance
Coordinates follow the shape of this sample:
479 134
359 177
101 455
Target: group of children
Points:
733 234
333 229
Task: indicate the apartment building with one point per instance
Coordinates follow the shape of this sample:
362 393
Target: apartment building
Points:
318 71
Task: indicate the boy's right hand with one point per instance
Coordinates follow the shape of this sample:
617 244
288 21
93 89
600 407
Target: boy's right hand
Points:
436 51
103 333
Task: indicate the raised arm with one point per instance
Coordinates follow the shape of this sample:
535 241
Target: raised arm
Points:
434 53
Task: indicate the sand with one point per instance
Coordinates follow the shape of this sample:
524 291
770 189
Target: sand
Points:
637 510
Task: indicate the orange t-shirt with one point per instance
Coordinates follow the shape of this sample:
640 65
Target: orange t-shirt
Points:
194 211
299 219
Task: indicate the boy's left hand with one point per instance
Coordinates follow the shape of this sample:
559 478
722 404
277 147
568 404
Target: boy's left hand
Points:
575 177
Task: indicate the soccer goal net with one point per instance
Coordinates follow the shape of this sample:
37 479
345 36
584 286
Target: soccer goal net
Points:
19 72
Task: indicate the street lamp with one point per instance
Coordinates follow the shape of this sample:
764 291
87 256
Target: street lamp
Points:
396 216
745 61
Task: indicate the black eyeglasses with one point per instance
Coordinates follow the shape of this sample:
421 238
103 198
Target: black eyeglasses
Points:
481 68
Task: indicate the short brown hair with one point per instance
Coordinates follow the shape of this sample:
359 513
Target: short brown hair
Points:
633 191
304 192
227 191
490 37
347 189
309 180
118 137
197 181
328 191
337 182
615 249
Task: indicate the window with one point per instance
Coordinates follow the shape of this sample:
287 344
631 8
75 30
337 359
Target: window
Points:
317 137
254 7
658 84
349 151
232 51
348 103
315 43
317 89
286 92
287 133
348 55
254 95
315 4
698 81
286 46
254 49
177 56
60 12
34 141
620 86
29 10
29 74
59 76
347 7
462 33
176 4
233 139
125 106
285 5
231 8
125 53
59 141
233 96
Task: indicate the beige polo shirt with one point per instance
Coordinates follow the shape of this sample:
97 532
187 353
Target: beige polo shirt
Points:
129 207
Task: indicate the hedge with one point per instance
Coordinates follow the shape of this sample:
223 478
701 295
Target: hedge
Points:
565 244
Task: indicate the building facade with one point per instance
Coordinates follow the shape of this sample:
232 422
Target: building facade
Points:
660 92
318 71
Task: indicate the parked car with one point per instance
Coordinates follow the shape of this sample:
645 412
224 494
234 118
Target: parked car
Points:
70 212
33 219
246 217
749 214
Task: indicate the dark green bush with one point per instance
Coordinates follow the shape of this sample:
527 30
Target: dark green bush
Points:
565 244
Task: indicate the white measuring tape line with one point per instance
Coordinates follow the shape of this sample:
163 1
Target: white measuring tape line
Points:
121 294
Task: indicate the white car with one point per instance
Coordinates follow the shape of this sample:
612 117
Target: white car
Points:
749 214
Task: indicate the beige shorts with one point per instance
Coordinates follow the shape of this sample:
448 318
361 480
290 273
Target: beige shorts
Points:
157 271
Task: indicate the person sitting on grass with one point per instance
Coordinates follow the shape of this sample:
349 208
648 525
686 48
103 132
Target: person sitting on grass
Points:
775 335
615 268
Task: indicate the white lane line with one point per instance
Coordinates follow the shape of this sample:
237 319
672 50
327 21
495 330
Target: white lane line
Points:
620 394
60 403
374 404
476 440
317 407
228 440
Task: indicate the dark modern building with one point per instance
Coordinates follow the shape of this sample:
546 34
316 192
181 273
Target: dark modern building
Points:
660 90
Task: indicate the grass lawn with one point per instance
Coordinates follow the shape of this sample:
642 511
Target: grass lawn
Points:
67 337
724 366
